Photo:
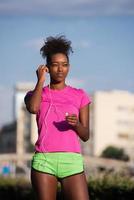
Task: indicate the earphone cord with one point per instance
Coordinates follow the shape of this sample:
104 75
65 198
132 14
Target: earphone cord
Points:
45 118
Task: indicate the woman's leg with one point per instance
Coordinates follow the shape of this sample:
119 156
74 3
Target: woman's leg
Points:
44 185
75 187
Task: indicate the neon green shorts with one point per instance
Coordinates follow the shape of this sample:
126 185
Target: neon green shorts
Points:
59 164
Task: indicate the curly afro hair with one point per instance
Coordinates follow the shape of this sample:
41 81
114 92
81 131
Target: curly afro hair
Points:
53 45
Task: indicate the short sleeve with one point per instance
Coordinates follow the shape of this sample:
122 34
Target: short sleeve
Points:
85 99
29 93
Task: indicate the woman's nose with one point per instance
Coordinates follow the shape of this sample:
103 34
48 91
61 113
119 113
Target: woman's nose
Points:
60 68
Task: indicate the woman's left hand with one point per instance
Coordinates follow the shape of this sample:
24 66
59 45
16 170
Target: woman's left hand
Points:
72 119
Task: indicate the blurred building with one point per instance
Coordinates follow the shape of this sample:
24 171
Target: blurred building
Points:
26 123
113 121
8 138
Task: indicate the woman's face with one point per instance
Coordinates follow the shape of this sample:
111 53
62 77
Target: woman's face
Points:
59 67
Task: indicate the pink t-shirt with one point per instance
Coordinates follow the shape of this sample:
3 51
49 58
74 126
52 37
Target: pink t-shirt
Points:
54 133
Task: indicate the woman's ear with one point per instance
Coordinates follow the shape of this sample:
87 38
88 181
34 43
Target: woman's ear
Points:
47 69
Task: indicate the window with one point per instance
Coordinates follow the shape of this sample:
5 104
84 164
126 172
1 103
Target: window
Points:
123 135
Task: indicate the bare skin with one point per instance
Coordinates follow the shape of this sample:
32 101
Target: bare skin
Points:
75 187
45 185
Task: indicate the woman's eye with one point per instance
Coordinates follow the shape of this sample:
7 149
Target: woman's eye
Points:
65 65
54 65
57 65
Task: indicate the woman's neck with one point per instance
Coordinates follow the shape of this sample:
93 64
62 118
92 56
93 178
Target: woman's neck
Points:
57 86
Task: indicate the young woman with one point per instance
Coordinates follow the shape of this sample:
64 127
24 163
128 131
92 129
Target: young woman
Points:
62 118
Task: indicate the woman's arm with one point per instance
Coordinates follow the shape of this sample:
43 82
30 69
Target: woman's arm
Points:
81 125
33 101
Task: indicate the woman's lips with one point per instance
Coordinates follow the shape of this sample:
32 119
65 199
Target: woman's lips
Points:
60 75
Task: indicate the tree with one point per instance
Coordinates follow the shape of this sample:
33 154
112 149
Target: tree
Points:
115 153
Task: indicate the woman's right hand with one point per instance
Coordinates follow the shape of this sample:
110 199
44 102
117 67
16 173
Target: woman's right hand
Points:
41 73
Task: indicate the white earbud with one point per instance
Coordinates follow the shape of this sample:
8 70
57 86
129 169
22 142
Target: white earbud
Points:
66 114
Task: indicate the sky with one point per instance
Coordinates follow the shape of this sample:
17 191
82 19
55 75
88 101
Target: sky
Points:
101 32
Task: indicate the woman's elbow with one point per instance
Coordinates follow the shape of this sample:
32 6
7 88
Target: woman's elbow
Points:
86 137
32 110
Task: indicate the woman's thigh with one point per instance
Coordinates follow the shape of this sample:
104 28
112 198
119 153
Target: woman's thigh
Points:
44 185
75 187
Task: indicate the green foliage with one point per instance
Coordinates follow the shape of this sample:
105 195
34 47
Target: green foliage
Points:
111 187
115 153
15 189
104 187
